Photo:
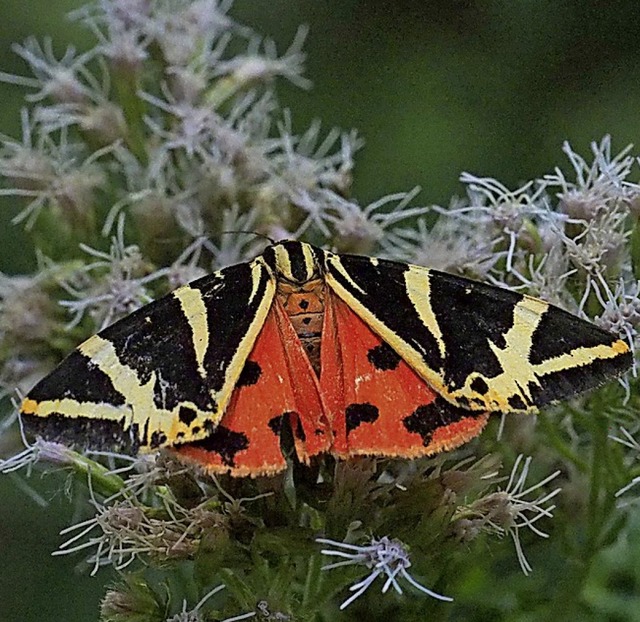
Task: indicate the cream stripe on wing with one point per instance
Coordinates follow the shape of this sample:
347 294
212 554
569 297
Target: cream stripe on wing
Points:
195 311
126 381
72 408
418 284
309 259
142 408
518 373
579 357
335 262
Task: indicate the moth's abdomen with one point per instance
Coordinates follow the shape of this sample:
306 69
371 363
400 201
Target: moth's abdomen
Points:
304 304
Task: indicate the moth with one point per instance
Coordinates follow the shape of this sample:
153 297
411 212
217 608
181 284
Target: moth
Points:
356 355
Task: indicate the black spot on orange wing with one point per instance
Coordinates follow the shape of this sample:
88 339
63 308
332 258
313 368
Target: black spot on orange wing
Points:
248 441
425 420
275 424
383 357
372 401
357 414
250 374
225 443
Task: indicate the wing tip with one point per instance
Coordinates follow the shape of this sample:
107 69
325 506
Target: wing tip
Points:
29 406
620 347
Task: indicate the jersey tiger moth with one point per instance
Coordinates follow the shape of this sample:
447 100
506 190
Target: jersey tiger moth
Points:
358 355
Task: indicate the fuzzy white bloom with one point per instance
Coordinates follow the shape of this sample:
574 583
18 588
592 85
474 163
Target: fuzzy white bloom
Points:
260 67
509 211
65 80
598 185
49 170
121 531
355 225
620 310
121 292
38 451
452 244
384 557
507 511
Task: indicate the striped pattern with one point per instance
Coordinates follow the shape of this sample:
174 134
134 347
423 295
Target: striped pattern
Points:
164 375
479 346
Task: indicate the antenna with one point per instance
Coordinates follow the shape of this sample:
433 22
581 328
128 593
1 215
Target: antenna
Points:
260 235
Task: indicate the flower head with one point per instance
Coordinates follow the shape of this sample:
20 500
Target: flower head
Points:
510 212
50 172
384 557
508 511
457 242
598 186
261 67
122 292
39 451
64 81
620 310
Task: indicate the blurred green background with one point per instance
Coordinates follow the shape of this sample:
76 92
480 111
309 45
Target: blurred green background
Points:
435 88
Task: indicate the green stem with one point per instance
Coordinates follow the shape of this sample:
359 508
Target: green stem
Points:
102 480
133 107
312 583
596 490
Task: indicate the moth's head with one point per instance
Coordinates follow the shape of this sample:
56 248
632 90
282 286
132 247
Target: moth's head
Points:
293 261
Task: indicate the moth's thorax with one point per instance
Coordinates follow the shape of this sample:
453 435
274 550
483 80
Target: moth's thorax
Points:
304 304
295 262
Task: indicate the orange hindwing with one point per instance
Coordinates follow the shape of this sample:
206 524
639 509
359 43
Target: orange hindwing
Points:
356 355
276 386
378 405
